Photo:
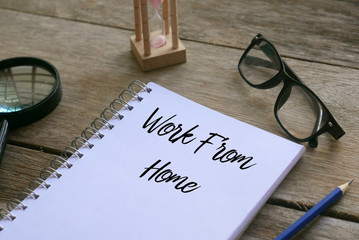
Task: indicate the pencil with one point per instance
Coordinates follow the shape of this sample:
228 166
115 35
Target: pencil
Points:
314 212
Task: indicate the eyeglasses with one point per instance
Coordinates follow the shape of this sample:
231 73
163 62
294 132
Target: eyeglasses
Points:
300 113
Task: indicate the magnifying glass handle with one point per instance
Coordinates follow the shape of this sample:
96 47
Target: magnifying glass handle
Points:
3 137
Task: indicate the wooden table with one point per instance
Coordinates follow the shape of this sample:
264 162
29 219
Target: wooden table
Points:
88 41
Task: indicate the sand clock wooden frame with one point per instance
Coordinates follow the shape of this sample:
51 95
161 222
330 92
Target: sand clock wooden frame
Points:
172 52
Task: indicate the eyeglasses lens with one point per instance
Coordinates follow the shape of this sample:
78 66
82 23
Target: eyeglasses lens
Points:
299 112
260 64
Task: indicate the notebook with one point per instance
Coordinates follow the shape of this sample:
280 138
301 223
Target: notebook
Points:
163 167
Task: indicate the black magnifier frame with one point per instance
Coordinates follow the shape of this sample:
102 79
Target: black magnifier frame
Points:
29 113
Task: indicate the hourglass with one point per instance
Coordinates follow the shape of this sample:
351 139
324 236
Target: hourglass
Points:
156 43
157 27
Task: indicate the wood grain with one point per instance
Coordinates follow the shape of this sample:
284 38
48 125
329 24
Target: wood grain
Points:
95 70
19 167
319 30
92 53
272 220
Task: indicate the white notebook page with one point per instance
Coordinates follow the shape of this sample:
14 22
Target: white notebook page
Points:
103 196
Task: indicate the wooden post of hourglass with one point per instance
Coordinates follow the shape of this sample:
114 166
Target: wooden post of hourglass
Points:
174 24
138 25
165 16
145 28
148 57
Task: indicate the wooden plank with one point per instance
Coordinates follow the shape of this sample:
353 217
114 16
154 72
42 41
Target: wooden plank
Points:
272 220
95 64
320 30
19 166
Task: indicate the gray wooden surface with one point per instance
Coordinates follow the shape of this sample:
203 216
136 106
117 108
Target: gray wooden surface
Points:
88 41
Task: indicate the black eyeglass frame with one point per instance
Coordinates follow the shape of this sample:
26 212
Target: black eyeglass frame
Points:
289 79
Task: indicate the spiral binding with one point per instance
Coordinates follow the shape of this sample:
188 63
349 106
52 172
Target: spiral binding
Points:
113 111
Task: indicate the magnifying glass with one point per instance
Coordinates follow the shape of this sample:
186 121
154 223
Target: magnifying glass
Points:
29 90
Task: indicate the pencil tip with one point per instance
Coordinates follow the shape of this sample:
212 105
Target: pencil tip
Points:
350 182
345 186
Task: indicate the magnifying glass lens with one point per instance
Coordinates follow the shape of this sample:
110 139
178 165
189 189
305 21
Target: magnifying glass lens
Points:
24 86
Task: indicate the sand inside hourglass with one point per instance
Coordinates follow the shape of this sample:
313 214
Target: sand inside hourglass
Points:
157 26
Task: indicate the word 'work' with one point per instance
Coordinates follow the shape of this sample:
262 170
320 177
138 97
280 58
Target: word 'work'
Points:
176 132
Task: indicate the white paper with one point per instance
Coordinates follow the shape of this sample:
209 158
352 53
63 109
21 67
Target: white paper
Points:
103 196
